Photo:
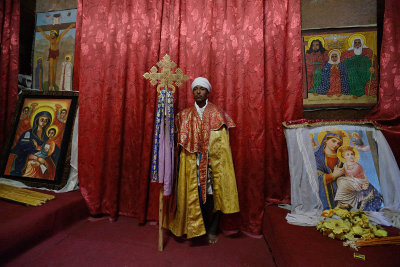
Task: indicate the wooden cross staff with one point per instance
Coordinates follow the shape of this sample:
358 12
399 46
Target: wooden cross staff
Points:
164 79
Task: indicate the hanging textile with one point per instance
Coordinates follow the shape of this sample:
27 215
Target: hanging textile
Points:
249 50
9 55
162 165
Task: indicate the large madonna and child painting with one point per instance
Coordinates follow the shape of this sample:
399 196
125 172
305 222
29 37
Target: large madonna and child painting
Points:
346 161
340 68
38 146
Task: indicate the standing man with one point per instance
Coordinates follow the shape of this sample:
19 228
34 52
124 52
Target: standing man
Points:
206 184
316 56
361 65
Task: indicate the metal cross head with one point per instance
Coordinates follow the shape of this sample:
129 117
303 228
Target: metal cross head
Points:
165 78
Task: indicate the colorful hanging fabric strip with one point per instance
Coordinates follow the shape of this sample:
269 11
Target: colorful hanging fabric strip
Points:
162 166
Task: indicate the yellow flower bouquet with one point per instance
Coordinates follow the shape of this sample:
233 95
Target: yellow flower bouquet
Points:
350 225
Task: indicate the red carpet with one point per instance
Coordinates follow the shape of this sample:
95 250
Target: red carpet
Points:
125 243
294 245
22 227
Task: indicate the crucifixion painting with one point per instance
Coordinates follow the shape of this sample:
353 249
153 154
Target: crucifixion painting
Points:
54 50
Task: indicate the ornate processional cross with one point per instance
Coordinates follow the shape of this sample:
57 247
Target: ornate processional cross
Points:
165 78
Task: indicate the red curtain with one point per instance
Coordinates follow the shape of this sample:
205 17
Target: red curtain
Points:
9 51
387 112
117 42
249 50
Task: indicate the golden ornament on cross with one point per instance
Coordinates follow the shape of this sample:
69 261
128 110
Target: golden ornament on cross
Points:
165 78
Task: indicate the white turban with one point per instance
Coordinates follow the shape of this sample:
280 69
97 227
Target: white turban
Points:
362 43
203 82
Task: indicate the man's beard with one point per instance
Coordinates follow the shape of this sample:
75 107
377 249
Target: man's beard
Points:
357 51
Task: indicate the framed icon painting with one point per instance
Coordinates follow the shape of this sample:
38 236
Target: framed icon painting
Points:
37 151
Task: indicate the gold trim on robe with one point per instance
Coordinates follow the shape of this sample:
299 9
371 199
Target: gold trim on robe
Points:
193 134
188 218
224 180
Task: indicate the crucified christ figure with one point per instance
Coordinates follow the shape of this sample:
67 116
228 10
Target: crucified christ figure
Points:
54 39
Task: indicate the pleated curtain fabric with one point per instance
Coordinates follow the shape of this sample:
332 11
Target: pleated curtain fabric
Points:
9 55
249 50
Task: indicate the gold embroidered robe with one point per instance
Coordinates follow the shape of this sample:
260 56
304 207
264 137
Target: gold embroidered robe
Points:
210 137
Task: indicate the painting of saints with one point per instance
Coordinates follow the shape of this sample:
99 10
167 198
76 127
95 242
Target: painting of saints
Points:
361 66
32 155
316 56
334 76
353 189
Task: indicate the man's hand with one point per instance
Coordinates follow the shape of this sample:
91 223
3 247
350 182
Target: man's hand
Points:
337 172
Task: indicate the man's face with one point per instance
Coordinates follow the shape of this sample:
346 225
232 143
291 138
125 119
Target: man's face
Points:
315 46
200 94
26 111
53 35
63 113
357 43
334 57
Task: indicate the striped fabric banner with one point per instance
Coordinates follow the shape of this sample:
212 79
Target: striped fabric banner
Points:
162 166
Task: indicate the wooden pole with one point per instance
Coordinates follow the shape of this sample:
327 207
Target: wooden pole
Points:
164 79
161 202
160 221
